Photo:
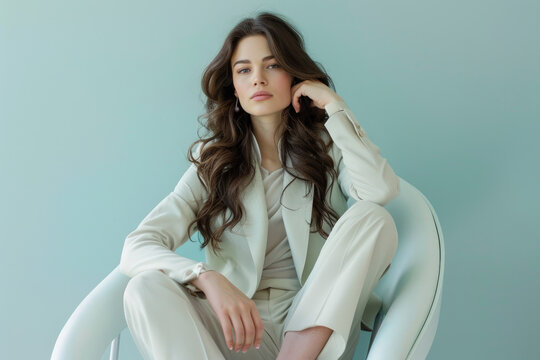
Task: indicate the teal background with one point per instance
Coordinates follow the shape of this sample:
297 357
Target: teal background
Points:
99 103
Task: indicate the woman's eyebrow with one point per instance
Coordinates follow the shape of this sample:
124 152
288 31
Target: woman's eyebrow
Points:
245 61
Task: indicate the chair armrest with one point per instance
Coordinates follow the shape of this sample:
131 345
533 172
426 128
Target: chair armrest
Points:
411 291
97 320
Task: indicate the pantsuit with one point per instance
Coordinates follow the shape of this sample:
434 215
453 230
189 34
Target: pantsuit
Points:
168 322
337 275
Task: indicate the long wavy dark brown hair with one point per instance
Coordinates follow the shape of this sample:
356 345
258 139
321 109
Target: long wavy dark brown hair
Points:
225 164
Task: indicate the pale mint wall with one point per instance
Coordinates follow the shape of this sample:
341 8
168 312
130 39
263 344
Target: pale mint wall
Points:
99 102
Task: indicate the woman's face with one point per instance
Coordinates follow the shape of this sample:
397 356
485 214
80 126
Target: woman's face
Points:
255 69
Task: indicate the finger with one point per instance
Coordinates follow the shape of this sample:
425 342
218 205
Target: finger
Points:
238 331
296 94
293 88
249 330
227 330
259 327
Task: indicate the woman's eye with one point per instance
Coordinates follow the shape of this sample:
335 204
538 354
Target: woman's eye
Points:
241 71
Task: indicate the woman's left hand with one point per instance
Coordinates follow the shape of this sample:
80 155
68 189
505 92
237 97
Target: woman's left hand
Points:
318 92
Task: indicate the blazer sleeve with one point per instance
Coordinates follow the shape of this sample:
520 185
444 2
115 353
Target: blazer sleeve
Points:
363 173
152 245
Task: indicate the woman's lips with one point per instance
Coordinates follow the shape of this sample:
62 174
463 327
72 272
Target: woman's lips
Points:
261 97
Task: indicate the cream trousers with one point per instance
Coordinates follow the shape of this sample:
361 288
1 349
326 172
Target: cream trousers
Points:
166 322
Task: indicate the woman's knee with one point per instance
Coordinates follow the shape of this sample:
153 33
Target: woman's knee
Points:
372 214
144 284
372 211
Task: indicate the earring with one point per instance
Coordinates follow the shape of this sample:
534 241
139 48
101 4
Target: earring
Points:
236 108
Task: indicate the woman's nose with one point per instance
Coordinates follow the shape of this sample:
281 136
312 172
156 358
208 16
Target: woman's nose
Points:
258 77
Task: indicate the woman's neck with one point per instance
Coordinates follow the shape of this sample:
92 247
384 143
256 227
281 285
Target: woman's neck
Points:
267 132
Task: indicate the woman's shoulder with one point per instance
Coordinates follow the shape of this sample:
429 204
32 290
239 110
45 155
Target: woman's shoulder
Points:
190 179
198 146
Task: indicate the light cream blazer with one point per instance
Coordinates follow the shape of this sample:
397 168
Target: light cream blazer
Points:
362 174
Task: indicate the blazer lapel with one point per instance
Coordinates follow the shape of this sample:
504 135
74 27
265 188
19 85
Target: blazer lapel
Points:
296 212
256 220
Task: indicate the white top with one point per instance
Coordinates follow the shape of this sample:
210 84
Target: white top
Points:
278 269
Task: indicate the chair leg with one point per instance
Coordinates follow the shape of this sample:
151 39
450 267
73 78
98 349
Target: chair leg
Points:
376 325
115 346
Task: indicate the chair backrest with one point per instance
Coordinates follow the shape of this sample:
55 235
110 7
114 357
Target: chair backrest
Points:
411 289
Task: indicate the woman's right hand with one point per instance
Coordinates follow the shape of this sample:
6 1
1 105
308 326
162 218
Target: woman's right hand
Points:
233 309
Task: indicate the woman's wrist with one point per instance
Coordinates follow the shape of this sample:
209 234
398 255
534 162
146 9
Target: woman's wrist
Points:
202 280
335 98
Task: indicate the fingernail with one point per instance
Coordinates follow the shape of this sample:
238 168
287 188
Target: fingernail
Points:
258 346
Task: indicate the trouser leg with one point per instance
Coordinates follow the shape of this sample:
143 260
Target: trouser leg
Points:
359 248
163 321
354 335
166 322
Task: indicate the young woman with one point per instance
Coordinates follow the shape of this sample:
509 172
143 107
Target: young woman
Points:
290 267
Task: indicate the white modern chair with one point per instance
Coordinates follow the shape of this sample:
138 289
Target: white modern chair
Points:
410 290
